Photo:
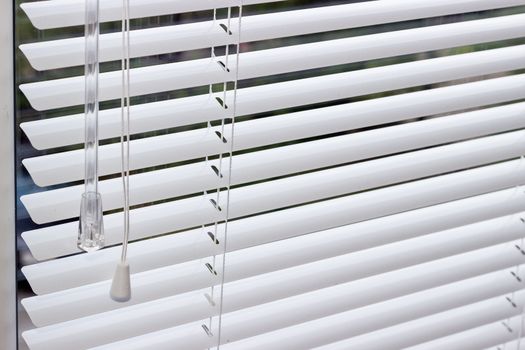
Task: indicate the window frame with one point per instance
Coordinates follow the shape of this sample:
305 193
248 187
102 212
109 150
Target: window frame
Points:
8 303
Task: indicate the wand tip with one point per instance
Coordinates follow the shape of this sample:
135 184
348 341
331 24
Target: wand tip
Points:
121 286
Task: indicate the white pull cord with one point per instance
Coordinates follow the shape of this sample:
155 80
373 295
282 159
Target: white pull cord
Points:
121 285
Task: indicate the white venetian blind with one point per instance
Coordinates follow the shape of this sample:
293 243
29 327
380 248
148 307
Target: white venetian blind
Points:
356 184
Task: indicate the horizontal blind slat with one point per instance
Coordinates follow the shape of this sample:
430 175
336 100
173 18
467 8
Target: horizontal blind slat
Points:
193 212
284 259
328 217
53 205
239 325
63 13
59 93
120 324
476 312
479 338
518 344
70 52
63 131
424 329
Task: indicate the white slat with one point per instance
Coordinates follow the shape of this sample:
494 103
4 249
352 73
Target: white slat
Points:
518 344
81 269
53 205
70 52
68 130
463 317
197 211
263 259
478 338
420 330
161 314
275 315
59 92
364 81
63 13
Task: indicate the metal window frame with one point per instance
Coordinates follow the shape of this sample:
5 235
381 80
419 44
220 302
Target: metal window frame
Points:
8 309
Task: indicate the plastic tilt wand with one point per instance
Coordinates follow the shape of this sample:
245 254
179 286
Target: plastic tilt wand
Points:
91 226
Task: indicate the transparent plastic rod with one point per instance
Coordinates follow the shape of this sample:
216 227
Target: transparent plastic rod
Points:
91 95
91 229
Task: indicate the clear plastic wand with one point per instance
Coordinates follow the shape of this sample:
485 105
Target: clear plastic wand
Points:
91 227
